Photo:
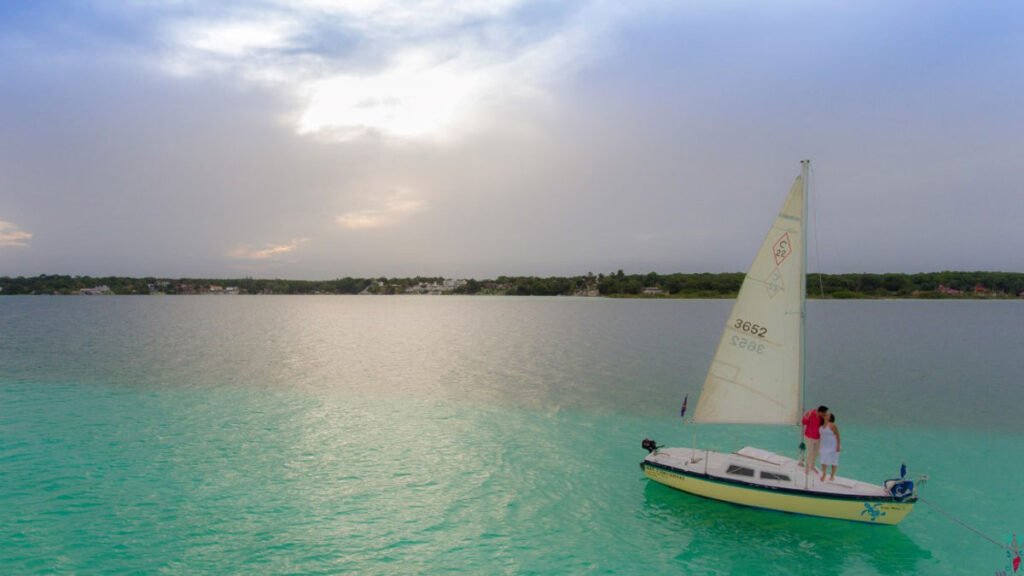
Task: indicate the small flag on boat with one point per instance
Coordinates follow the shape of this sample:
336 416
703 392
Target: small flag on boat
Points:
682 412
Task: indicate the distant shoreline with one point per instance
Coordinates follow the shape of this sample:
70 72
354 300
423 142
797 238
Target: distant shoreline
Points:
929 285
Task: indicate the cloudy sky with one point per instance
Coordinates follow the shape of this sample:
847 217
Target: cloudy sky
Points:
319 139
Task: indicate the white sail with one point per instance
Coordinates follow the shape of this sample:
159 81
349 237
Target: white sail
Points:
755 377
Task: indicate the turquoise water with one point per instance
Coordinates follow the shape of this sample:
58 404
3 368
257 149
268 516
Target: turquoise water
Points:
384 435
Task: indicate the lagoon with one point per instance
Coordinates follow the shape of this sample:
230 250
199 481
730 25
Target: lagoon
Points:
344 434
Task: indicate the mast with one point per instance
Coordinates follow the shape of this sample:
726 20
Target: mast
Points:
804 169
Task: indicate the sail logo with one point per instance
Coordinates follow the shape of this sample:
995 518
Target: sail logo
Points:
782 249
873 511
774 283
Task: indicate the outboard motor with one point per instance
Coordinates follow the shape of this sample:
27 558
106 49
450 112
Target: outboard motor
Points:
900 488
649 445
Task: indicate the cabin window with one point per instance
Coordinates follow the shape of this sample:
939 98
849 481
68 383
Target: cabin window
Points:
740 471
774 476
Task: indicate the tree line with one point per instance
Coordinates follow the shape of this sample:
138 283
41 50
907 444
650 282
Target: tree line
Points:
617 284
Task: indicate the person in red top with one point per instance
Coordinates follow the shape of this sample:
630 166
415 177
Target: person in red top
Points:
812 434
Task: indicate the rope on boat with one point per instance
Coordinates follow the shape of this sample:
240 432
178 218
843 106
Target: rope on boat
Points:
967 526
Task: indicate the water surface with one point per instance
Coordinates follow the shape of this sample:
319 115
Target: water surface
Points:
382 435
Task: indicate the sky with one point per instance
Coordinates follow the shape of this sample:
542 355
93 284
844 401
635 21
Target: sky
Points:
316 139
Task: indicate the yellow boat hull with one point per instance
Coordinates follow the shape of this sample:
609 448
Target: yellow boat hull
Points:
867 510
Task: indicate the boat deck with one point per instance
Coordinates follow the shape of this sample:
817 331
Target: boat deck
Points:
761 468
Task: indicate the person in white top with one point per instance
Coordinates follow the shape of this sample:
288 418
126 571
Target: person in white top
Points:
830 446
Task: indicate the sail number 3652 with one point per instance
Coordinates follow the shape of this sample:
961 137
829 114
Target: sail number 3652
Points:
750 328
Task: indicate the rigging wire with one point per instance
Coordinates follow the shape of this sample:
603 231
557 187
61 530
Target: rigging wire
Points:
967 526
811 176
829 345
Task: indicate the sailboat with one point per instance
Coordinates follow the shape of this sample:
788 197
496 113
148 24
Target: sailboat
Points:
757 377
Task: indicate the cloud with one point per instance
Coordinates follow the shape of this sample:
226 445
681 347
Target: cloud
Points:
385 210
235 39
13 236
413 98
400 69
270 252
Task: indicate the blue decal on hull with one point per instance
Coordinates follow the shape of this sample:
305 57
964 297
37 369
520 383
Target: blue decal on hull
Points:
873 511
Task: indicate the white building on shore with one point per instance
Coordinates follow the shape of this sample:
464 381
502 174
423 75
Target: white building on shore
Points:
447 286
102 290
